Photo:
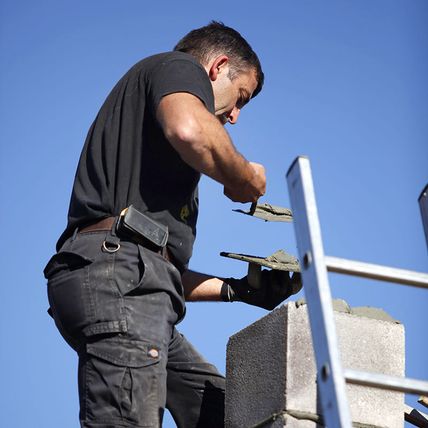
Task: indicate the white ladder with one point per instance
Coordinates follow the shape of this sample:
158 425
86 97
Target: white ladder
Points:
331 377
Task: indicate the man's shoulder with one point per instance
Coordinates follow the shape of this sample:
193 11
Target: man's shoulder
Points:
167 57
171 72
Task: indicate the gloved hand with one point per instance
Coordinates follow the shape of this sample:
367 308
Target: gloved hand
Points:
276 286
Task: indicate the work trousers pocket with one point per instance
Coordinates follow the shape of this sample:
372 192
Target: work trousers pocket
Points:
119 383
87 284
70 299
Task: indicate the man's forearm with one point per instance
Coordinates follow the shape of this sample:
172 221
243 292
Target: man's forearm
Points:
203 143
200 287
210 150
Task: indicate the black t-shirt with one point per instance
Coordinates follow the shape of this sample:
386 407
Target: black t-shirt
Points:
127 160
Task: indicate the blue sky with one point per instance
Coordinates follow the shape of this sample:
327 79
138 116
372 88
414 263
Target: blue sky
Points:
346 85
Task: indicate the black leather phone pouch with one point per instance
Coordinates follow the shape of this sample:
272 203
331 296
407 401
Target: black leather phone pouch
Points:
141 228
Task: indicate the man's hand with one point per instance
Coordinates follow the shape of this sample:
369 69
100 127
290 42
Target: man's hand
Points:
276 286
251 190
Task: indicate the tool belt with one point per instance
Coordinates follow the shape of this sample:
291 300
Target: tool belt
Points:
137 227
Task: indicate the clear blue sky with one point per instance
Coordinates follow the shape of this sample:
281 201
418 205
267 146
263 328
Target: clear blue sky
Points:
346 84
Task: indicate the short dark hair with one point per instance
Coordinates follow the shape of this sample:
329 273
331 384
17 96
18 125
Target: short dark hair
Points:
217 38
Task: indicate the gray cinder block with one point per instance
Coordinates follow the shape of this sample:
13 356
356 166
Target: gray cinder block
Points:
270 369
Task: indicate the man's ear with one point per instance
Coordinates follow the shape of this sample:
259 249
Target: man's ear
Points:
219 65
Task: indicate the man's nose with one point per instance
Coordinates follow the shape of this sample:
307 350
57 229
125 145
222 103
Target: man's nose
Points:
233 116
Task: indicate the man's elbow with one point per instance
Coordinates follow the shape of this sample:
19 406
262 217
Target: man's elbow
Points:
181 131
187 137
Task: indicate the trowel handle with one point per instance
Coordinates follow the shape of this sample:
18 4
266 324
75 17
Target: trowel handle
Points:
254 275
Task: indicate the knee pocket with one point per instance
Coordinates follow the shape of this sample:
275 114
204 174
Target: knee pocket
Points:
121 382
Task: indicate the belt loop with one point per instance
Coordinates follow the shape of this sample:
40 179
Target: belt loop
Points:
73 237
114 227
112 231
164 253
111 243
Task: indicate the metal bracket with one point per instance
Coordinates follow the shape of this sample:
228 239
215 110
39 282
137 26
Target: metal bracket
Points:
423 205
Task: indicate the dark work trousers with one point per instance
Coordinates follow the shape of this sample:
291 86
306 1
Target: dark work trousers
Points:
113 308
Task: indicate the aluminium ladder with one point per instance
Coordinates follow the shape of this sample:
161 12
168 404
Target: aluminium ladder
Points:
331 377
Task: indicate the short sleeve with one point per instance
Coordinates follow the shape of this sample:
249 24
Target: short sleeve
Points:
179 75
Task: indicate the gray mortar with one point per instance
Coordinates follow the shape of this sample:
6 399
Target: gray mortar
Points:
340 305
374 313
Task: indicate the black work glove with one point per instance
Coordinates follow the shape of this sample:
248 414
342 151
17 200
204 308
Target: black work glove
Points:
275 287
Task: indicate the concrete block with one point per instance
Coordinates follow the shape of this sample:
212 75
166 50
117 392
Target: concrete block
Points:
270 369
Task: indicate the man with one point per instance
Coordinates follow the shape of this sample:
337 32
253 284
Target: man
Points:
115 289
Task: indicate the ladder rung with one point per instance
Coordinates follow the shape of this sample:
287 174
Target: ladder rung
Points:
379 272
392 383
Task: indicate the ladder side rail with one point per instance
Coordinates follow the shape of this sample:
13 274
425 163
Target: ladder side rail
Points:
388 382
379 272
423 205
331 382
